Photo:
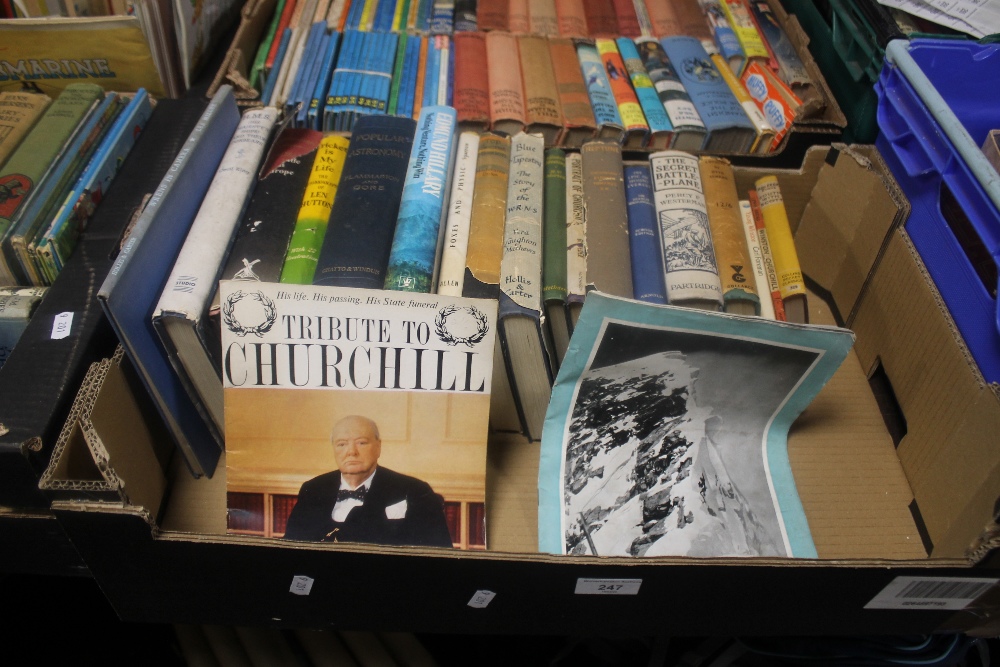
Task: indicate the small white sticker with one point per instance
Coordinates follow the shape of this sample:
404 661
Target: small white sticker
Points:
585 586
62 325
930 593
301 584
481 599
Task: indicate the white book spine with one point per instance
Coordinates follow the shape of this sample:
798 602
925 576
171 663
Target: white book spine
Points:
445 45
192 281
521 266
576 230
757 259
689 262
451 275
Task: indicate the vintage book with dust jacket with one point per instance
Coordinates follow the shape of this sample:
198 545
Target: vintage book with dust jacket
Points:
651 449
391 393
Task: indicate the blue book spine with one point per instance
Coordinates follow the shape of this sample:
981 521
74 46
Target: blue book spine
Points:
348 66
95 180
451 72
388 52
644 237
652 108
317 105
356 247
383 16
424 203
407 87
424 12
354 15
397 74
717 106
443 17
297 101
598 87
272 77
432 73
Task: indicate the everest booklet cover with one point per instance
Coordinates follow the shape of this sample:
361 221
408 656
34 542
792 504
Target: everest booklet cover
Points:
356 415
667 432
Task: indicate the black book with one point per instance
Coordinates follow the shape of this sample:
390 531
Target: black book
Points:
355 251
40 379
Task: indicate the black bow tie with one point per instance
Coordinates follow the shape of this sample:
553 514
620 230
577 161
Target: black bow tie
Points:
357 494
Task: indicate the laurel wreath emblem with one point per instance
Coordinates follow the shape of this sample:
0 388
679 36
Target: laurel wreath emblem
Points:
234 325
441 325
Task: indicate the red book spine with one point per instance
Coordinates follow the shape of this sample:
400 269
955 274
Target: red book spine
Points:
471 87
628 22
572 18
286 17
493 15
601 21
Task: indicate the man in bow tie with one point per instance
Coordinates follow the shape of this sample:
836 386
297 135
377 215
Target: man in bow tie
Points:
364 502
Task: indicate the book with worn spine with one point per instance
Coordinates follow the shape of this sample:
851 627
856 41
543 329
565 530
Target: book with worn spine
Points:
691 272
471 89
579 123
576 239
518 19
527 346
181 314
663 18
601 18
572 19
543 114
18 113
543 18
455 245
355 250
492 14
739 289
606 211
413 258
132 286
505 83
553 259
644 237
489 205
626 18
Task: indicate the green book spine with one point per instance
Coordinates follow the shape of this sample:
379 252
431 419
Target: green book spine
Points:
29 164
260 58
314 214
554 227
397 74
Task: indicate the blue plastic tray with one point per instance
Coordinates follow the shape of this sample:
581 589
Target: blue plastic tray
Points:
937 101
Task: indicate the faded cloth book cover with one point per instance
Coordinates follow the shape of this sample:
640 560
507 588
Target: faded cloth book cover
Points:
391 397
652 447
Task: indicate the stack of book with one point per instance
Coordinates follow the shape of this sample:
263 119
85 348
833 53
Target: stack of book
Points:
724 80
57 159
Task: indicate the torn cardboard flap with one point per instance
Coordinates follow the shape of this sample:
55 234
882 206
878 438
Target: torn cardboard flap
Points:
109 448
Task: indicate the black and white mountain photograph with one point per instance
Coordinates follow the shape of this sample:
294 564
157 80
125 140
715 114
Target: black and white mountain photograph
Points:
664 452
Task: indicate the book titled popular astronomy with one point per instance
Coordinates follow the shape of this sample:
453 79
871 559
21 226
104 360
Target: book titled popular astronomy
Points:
331 387
666 434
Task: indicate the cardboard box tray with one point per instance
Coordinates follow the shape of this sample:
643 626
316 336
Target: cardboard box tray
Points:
879 510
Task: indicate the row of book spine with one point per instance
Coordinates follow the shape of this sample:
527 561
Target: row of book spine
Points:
420 206
57 159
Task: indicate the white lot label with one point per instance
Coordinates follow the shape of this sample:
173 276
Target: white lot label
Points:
585 586
62 325
930 593
301 584
481 599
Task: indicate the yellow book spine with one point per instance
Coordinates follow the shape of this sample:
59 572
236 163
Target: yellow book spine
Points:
368 14
314 213
765 131
746 32
621 85
779 236
397 17
411 20
728 238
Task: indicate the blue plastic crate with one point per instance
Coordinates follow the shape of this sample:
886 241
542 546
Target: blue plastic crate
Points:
937 101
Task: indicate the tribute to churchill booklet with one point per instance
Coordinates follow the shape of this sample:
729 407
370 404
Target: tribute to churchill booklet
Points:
330 388
667 432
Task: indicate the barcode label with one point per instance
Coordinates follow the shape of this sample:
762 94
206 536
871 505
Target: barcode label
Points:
930 593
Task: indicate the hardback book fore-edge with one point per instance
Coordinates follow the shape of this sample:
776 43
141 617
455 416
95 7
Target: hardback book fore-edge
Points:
133 285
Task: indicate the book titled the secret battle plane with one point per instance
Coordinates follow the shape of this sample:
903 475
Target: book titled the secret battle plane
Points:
356 415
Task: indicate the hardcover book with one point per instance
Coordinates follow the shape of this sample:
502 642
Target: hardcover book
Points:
356 246
492 15
506 86
693 23
572 18
129 293
729 129
489 206
644 236
383 450
757 262
465 19
543 114
181 314
727 44
16 309
602 99
778 305
576 239
782 245
606 212
579 123
18 114
524 335
766 132
544 20
472 92
663 18
553 259
413 257
601 19
518 21
661 130
651 449
633 120
626 18
688 129
455 245
691 270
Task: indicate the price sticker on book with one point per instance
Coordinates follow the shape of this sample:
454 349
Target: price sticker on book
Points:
301 585
586 586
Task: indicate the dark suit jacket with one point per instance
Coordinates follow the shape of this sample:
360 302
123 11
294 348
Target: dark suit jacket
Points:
424 523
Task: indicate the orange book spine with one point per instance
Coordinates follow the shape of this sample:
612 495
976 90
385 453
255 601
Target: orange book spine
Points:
505 84
663 17
286 17
493 15
518 17
636 128
418 94
601 20
571 18
578 115
471 94
628 22
765 248
693 22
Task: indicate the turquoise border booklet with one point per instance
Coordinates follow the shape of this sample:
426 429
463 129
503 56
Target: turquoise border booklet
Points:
666 434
